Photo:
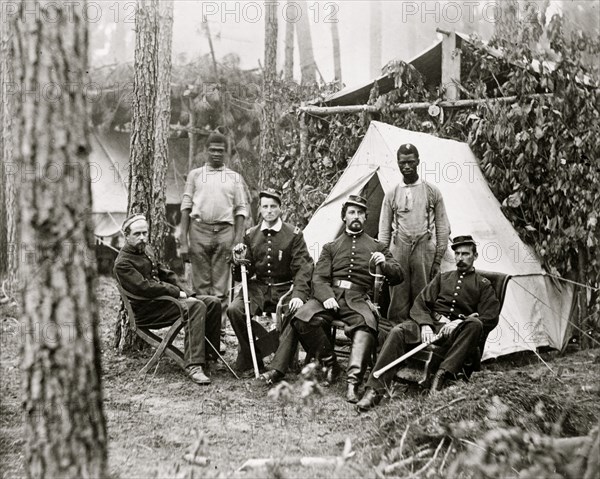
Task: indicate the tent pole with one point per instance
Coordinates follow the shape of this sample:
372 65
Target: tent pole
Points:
333 110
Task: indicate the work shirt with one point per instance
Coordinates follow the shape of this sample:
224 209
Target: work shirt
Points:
214 195
411 211
277 255
453 294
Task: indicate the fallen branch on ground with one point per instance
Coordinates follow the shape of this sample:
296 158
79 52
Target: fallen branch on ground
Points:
444 406
392 468
336 461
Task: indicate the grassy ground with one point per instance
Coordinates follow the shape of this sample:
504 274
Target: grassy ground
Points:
154 420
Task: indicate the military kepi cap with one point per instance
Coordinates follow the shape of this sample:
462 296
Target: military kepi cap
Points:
271 193
356 200
462 240
408 149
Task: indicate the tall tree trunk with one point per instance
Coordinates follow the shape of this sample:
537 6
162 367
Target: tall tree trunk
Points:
267 134
148 152
65 430
288 65
142 145
308 67
337 60
375 35
9 170
158 211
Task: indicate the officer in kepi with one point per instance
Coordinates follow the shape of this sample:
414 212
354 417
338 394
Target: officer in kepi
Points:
342 283
277 260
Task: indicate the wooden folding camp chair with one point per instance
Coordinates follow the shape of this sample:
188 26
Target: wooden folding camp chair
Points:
164 346
421 367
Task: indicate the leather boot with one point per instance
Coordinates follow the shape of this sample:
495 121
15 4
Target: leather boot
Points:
362 347
369 400
315 342
439 380
331 369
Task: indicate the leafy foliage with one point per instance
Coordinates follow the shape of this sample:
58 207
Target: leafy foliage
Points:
539 154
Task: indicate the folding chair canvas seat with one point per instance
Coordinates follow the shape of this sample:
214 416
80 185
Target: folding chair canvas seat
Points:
164 346
422 366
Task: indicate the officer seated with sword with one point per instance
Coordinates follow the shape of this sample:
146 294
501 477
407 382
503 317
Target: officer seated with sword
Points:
342 283
452 312
274 255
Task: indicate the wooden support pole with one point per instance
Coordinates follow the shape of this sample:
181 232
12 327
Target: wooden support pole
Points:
450 66
333 110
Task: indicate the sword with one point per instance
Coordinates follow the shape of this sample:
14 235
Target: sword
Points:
249 319
412 352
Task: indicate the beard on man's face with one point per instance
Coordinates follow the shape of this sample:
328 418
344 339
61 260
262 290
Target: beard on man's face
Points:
355 225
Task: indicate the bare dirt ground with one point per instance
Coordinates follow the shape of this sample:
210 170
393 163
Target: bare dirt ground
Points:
154 420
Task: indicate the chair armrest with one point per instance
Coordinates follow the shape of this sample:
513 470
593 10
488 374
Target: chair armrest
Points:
182 311
279 309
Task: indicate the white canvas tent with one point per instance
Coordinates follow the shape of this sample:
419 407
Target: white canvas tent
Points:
536 309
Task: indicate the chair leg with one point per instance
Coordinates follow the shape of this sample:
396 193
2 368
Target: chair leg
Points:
168 339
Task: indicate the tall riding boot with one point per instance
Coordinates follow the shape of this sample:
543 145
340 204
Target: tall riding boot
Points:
315 342
362 348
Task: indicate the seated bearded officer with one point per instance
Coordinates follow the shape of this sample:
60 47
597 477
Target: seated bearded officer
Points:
459 305
342 281
140 274
276 255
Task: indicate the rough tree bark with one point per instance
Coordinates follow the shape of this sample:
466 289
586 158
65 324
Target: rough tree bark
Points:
151 114
9 171
267 133
375 38
162 114
142 143
308 67
337 59
288 65
65 430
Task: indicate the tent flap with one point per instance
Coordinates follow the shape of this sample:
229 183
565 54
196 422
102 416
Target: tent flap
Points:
536 310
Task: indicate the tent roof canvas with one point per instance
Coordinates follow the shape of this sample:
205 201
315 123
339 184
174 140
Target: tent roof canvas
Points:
109 164
536 308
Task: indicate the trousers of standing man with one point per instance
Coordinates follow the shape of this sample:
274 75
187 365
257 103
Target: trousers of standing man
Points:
415 255
210 251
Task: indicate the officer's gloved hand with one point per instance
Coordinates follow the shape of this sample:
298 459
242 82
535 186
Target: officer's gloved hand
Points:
239 254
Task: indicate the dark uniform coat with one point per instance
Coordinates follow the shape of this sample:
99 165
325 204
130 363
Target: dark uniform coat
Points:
278 260
454 295
347 258
140 274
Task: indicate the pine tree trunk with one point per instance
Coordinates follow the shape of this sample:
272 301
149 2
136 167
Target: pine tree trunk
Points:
141 151
148 154
375 38
288 66
9 169
308 67
158 210
65 430
267 138
337 59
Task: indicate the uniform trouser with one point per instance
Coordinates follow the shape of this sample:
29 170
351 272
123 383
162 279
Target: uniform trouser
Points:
416 259
204 321
210 250
237 316
463 342
310 331
286 352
